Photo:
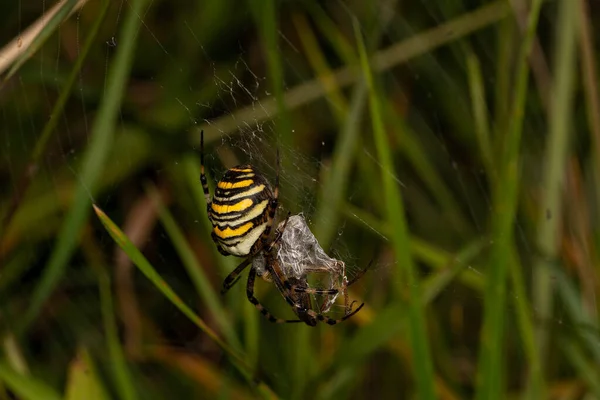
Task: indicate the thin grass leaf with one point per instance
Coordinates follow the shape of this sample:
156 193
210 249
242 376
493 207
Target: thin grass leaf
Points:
504 43
41 32
119 369
94 160
394 206
590 88
490 370
421 250
335 181
433 286
414 152
146 268
14 355
526 328
195 271
583 320
330 31
554 168
265 13
26 387
318 61
480 113
587 370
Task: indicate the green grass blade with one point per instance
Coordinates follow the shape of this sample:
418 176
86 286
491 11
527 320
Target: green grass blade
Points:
549 229
490 371
146 268
434 285
94 160
119 368
394 206
266 19
587 370
26 387
335 181
422 251
194 269
583 320
526 329
480 113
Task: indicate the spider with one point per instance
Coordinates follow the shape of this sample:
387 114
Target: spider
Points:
242 212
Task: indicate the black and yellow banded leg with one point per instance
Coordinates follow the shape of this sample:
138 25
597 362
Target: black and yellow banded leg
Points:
234 276
202 176
360 274
348 306
330 292
276 275
260 307
331 321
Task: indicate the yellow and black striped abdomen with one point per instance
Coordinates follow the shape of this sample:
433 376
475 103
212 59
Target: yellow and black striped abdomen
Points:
239 209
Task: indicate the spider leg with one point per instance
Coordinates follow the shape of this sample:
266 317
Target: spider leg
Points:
301 289
260 307
202 176
331 321
346 283
234 276
361 273
279 233
277 277
333 291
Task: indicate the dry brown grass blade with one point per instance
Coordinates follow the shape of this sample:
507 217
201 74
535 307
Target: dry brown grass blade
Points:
16 47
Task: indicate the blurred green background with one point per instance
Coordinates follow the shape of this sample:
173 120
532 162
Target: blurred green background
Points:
455 143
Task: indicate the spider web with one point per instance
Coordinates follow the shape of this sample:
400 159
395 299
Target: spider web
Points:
235 108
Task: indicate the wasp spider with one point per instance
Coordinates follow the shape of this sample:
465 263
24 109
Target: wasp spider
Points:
242 212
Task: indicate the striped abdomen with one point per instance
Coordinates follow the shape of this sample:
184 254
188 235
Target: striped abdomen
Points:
239 209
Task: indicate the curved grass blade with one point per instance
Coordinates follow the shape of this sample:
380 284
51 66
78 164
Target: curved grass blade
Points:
195 271
146 268
49 23
26 387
